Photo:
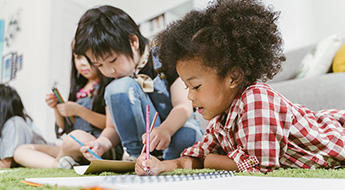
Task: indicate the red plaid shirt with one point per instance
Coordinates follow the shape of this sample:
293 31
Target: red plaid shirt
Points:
264 131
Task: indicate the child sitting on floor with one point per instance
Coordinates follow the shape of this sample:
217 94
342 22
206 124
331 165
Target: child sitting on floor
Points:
16 127
222 53
112 42
86 104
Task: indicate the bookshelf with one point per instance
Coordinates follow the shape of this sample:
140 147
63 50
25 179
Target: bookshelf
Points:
155 23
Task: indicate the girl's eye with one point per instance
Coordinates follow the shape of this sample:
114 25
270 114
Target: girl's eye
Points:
112 61
196 87
97 65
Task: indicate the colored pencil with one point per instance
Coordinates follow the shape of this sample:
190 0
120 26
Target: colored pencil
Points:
70 119
152 125
89 150
147 136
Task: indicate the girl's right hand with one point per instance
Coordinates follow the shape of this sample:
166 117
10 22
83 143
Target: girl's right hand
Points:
69 108
51 100
159 138
95 146
156 166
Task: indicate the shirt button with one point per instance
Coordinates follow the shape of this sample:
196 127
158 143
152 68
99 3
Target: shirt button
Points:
226 130
251 161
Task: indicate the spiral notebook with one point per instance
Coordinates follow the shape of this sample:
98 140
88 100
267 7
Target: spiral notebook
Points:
125 181
208 181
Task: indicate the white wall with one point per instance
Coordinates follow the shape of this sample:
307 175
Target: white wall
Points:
32 39
305 22
49 26
47 31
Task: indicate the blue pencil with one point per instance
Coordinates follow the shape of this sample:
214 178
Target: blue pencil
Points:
92 152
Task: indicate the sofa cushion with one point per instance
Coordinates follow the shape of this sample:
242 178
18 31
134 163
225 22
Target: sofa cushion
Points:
319 59
290 66
338 64
316 93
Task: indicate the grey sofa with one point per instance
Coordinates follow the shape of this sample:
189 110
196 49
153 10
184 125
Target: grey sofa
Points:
320 92
326 91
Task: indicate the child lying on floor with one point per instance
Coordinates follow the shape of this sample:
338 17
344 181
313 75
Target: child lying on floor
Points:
222 53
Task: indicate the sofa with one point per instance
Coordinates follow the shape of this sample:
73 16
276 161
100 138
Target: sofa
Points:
323 91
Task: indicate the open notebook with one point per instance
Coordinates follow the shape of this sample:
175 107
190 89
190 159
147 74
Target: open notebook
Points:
208 181
126 181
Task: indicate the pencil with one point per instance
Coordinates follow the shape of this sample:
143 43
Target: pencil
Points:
31 183
147 136
89 150
60 100
152 125
69 119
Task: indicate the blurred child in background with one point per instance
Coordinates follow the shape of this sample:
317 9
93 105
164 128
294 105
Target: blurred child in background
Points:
86 104
16 127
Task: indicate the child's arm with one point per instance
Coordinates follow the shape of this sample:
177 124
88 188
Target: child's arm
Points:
180 113
157 167
72 108
6 163
219 162
104 142
59 119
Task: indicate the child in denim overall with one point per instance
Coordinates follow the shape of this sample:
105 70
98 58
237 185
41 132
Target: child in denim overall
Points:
112 42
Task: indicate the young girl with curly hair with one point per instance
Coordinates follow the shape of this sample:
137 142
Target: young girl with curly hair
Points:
224 54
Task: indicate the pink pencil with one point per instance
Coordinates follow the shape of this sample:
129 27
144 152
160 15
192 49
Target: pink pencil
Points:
147 136
152 125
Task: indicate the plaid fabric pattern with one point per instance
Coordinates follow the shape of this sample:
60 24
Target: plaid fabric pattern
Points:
264 131
244 162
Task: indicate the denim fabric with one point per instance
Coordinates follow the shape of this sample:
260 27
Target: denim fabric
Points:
81 123
127 102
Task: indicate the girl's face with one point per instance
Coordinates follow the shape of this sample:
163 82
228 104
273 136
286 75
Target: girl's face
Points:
84 68
116 65
210 95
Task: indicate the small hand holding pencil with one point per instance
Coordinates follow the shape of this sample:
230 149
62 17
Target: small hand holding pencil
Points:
148 131
70 120
82 144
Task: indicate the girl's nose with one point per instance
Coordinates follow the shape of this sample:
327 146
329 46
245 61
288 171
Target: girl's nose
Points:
109 72
84 61
190 95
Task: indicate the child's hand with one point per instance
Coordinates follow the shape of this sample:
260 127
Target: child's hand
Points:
159 139
51 100
95 147
68 108
153 163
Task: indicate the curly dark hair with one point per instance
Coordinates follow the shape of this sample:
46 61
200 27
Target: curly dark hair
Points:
228 34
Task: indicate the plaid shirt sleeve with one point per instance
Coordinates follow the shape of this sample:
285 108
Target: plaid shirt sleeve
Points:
208 144
260 130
